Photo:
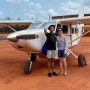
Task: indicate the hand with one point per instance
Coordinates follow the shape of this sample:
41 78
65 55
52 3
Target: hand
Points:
46 30
65 51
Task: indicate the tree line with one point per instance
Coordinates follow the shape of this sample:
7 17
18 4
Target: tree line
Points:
17 27
5 29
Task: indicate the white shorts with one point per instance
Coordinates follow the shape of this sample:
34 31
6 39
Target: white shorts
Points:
52 54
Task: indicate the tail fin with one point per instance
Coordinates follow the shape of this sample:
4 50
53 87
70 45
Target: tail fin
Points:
81 14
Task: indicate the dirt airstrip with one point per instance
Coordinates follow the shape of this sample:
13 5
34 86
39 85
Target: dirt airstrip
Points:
12 76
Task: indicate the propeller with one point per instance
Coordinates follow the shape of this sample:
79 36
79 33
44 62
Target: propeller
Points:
28 36
14 38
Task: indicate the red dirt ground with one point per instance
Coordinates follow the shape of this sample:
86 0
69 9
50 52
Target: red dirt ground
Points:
12 76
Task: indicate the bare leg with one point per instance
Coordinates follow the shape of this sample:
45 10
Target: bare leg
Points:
52 62
61 66
49 65
53 69
65 66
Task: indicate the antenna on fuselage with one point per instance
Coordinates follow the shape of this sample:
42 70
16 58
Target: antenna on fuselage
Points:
81 14
49 17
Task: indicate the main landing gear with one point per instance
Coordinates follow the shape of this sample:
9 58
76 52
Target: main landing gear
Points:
81 59
28 65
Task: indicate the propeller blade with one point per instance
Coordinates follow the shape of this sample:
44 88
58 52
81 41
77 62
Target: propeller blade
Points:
13 38
29 36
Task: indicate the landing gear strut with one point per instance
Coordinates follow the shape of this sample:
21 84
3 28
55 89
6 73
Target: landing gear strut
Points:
28 65
81 59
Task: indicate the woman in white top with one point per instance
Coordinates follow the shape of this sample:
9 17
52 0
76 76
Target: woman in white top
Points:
62 52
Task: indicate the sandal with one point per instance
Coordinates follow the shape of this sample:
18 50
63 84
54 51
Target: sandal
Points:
65 74
61 74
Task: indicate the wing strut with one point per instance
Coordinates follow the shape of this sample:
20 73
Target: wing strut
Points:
72 53
79 36
10 27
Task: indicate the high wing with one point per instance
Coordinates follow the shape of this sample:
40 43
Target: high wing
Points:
78 20
14 22
11 23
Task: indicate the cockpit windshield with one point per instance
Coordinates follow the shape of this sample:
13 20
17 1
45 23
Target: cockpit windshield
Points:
35 25
46 25
41 25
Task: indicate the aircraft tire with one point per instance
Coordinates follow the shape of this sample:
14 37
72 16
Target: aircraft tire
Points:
28 67
81 60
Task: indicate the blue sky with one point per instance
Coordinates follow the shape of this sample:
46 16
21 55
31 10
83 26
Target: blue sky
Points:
40 9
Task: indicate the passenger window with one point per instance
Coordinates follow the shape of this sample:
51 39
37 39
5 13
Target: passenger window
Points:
65 29
76 30
72 31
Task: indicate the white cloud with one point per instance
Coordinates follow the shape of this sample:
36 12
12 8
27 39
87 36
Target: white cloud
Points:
29 15
38 5
24 10
42 9
41 14
70 8
71 5
35 10
51 12
35 5
31 4
87 10
17 1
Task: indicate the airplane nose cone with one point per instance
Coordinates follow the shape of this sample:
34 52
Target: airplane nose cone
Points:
12 38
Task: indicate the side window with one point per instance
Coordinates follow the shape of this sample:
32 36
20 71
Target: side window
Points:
72 30
65 29
76 30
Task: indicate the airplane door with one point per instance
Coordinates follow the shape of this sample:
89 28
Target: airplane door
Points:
74 35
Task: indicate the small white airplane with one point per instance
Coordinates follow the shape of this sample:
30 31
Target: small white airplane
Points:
32 40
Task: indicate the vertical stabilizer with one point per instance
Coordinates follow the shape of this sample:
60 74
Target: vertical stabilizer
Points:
81 14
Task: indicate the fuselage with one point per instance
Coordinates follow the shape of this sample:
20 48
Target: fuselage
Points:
28 45
33 39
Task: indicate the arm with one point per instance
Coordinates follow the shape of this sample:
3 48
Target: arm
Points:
56 42
45 31
65 45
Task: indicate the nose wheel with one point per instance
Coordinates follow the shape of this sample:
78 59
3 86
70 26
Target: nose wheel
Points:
28 65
